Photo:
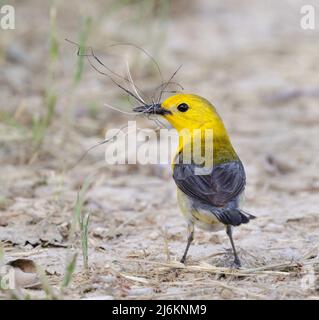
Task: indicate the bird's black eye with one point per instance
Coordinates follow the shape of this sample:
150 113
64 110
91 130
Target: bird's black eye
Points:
183 107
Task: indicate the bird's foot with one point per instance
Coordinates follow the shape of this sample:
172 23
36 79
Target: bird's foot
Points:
236 264
183 260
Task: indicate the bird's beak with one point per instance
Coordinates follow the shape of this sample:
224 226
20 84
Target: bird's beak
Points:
152 109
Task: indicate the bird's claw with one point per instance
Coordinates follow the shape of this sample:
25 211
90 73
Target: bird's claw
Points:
236 264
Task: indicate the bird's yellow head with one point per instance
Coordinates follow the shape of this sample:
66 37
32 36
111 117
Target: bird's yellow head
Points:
187 111
192 112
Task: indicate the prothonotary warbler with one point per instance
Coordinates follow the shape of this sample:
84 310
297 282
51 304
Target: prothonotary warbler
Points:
209 193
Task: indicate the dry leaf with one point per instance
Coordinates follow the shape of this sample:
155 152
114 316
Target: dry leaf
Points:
25 273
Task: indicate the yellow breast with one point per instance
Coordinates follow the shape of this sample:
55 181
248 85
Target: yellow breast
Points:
204 219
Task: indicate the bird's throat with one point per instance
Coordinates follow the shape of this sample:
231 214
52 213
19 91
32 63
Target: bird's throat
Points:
212 144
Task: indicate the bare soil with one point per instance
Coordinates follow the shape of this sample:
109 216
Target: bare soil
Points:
259 68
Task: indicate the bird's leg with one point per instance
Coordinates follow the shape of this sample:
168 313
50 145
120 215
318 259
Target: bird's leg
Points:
229 232
190 230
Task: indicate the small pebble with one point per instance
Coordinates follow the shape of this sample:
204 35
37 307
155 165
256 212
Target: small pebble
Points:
226 294
153 235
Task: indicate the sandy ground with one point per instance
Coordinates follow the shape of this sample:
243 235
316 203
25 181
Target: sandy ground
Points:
253 62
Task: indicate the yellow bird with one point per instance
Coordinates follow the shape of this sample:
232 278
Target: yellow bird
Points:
210 192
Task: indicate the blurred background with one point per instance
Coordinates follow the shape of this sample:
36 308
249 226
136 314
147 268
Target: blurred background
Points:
251 59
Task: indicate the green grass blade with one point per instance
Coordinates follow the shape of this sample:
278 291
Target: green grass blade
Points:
84 240
69 271
83 36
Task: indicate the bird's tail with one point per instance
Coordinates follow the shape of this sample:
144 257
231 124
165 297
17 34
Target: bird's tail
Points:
232 216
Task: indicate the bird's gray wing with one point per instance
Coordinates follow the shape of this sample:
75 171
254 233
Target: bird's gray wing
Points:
223 183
